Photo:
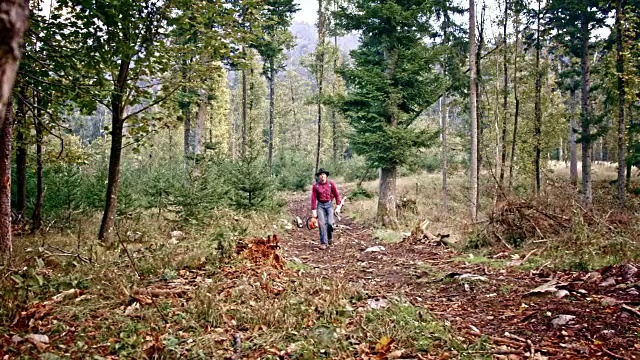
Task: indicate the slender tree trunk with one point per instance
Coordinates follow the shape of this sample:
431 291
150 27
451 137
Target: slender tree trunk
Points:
6 137
474 115
201 119
505 95
445 120
586 116
479 110
21 158
537 132
334 122
272 107
320 77
387 215
113 181
36 218
517 101
573 151
622 127
243 148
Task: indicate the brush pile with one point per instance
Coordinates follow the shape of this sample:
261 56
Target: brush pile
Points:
535 218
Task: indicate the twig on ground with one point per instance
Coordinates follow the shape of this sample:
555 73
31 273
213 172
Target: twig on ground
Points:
66 253
631 309
614 355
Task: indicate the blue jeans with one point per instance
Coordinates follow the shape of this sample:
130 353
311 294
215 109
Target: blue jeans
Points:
325 221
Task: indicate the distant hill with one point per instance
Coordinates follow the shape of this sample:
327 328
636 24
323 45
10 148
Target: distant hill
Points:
306 37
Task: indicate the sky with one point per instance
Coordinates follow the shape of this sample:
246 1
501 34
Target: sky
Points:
308 11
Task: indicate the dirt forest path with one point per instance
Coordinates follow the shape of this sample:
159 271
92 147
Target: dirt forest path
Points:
583 315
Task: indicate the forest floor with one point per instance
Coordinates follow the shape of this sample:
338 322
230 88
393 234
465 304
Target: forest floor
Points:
244 296
572 314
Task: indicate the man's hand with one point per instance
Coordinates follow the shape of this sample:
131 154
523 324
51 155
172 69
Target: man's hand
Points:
337 211
314 213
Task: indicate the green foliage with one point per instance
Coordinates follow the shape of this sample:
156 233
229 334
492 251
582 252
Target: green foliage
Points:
293 172
251 185
392 79
358 170
360 193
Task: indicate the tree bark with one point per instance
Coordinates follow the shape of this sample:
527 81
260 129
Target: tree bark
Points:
334 121
537 131
6 137
573 151
387 214
622 127
586 116
505 96
14 20
320 77
517 101
21 158
113 182
474 115
272 107
479 112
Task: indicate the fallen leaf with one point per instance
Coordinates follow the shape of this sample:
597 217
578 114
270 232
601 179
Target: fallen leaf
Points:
384 344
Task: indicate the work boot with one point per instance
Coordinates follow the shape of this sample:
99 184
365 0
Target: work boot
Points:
323 246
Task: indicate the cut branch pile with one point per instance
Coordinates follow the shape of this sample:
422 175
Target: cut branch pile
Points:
517 219
420 234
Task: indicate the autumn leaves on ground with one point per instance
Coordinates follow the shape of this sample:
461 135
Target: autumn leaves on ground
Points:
537 278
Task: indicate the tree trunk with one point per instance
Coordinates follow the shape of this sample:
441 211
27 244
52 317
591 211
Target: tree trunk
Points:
537 131
6 137
474 115
387 215
517 100
479 112
320 77
445 120
621 102
36 218
113 182
272 107
573 161
505 96
334 121
14 15
243 148
201 119
586 117
21 158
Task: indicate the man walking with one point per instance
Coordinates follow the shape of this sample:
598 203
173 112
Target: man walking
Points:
322 194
